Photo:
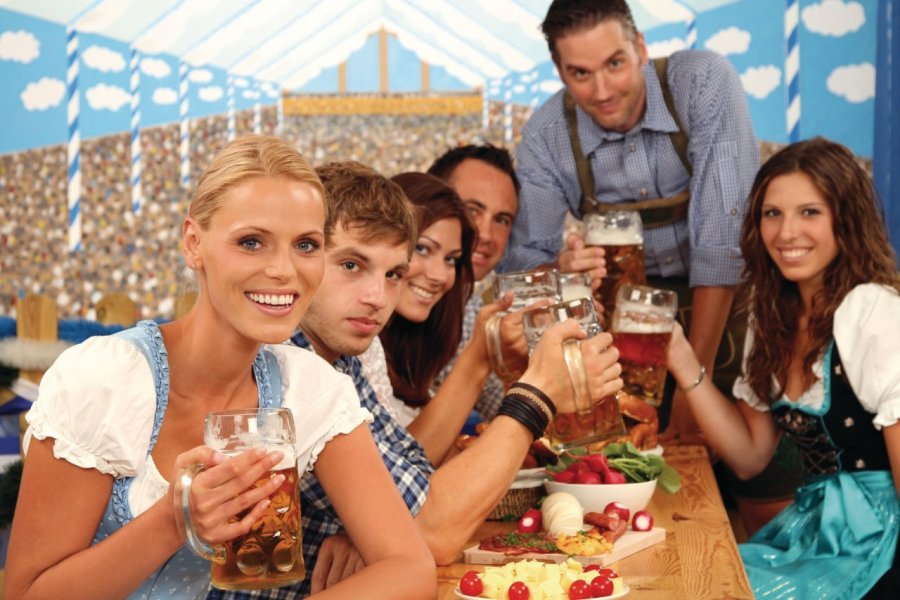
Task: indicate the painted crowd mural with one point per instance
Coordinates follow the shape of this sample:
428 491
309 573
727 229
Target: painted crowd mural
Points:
111 108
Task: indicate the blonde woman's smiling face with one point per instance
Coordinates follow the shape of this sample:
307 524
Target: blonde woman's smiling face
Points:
432 269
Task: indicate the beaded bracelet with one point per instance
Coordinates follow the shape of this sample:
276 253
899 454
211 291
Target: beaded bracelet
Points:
525 413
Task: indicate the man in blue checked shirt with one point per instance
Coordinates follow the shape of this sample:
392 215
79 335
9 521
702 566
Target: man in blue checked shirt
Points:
623 129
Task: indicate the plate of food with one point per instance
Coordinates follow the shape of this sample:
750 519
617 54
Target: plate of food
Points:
534 579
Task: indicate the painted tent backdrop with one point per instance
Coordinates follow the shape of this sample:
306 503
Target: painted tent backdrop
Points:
112 107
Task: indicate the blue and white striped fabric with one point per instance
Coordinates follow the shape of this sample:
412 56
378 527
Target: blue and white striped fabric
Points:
183 109
792 68
231 128
690 40
642 164
73 142
280 108
257 118
136 199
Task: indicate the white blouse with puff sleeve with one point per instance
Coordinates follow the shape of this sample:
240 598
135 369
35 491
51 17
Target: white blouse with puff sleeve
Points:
867 334
98 403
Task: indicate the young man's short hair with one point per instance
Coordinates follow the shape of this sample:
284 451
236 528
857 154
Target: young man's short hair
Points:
361 199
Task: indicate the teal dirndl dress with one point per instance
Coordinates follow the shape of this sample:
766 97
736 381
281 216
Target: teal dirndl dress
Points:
839 538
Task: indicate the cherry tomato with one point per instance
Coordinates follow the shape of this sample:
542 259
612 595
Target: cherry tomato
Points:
471 584
530 522
609 573
592 567
601 587
518 591
579 590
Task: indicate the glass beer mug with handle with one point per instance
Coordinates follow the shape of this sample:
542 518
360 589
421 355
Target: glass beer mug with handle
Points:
527 288
269 555
641 327
578 421
621 235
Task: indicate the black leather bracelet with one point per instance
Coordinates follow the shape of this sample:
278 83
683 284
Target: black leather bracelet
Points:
533 400
537 392
525 413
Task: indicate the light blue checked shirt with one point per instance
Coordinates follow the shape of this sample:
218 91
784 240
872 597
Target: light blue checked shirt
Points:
403 456
642 164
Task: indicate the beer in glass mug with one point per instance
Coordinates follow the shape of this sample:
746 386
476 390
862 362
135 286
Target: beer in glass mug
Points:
578 421
621 235
641 327
269 555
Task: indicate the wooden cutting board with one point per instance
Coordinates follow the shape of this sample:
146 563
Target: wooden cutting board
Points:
628 544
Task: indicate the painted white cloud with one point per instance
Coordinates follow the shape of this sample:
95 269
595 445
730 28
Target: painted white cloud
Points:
103 59
43 94
759 82
518 88
210 93
165 95
856 83
551 86
240 82
200 76
107 97
251 94
729 41
20 46
833 17
665 47
155 67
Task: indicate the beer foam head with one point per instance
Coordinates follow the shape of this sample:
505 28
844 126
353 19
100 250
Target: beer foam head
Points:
613 237
641 321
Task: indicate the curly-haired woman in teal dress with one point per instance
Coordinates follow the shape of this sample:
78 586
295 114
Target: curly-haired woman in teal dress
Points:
822 365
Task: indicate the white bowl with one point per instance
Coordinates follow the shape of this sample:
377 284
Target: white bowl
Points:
595 497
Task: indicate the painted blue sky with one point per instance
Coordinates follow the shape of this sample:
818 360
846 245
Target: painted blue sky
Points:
837 73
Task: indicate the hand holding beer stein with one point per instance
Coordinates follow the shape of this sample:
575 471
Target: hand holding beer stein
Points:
527 288
269 554
642 327
583 418
621 235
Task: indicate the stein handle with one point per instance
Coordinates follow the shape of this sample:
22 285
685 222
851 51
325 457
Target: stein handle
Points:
182 499
495 352
575 365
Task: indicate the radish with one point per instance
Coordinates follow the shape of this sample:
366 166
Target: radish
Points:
588 476
642 521
618 508
613 476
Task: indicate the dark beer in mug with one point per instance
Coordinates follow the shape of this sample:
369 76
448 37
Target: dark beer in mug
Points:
642 327
621 236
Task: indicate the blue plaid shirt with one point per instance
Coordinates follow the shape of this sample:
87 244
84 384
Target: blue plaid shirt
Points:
404 457
642 164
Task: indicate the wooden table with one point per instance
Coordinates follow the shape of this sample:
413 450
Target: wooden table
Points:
699 558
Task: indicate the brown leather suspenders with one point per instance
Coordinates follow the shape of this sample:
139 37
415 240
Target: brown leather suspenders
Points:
656 212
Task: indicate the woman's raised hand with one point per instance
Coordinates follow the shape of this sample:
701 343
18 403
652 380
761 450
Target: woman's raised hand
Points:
224 498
